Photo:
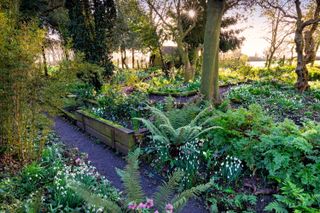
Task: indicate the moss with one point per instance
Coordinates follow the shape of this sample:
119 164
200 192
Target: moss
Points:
91 115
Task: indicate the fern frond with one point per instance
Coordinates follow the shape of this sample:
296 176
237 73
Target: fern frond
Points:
180 200
94 199
130 177
150 126
160 115
199 116
207 130
162 196
276 206
171 132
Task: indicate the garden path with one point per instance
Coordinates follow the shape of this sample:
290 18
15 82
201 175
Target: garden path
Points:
106 161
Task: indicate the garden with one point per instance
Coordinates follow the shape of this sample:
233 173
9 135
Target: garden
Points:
191 131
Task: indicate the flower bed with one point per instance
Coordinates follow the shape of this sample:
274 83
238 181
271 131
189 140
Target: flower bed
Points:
43 186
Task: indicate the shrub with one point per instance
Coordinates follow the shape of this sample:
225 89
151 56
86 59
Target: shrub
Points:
284 152
281 101
177 148
120 108
314 73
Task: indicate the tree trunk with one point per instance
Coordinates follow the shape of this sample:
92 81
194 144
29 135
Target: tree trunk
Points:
188 68
46 73
123 58
301 69
292 56
270 59
210 68
314 58
132 58
163 65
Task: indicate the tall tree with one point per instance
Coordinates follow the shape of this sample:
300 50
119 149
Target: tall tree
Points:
172 15
91 28
279 32
210 68
305 29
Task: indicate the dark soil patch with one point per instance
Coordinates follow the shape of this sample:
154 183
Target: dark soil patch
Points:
106 161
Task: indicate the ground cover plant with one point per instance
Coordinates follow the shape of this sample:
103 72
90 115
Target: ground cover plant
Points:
120 108
250 156
42 185
280 100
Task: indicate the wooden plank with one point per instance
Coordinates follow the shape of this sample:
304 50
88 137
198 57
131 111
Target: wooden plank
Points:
80 125
124 138
77 116
121 148
106 140
100 127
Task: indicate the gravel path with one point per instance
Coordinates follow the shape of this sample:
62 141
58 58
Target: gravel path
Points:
106 161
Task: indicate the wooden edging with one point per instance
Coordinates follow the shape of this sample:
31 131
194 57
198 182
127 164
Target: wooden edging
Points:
119 138
175 94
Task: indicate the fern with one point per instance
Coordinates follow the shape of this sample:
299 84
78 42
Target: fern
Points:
94 199
180 200
162 196
131 178
277 207
167 134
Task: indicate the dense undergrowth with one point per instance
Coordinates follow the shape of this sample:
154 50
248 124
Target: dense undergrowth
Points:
259 149
249 156
42 185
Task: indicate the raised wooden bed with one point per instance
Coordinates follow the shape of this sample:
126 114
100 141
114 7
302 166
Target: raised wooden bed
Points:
174 94
111 134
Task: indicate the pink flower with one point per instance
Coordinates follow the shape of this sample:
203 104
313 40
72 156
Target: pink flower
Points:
169 208
78 160
132 206
156 211
141 206
149 203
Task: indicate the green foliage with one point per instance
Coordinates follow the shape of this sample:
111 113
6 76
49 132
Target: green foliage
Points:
294 198
233 63
134 193
43 184
276 207
94 199
314 73
134 28
173 86
282 101
179 118
88 73
21 87
167 190
91 27
226 199
131 178
177 148
276 150
119 107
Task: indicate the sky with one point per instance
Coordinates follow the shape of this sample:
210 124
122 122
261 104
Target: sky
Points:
255 30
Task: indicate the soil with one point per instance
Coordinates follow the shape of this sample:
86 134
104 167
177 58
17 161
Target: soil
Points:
106 161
